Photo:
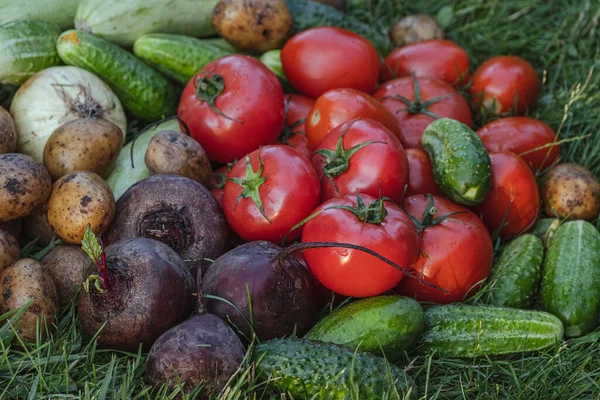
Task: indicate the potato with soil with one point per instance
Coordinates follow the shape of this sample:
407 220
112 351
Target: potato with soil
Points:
78 199
8 134
255 26
68 266
22 281
91 144
172 152
24 186
415 28
9 249
36 227
571 191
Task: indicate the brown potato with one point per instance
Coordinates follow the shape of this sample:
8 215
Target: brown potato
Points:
78 199
36 226
24 186
91 144
68 266
176 153
9 250
253 25
572 192
415 28
22 281
8 134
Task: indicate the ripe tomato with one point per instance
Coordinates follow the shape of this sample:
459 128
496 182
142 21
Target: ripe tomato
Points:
456 252
217 182
435 59
513 203
221 103
320 59
420 174
297 108
521 135
380 226
340 105
505 84
268 192
417 102
361 156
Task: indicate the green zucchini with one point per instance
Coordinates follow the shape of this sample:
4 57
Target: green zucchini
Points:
461 165
570 286
466 331
27 47
58 12
389 323
179 57
545 229
315 370
515 277
144 92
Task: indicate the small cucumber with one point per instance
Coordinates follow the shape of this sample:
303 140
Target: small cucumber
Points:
461 165
272 59
144 92
179 57
516 275
570 286
391 323
314 370
466 331
27 47
545 229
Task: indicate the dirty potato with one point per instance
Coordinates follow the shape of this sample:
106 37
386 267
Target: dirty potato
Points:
9 250
68 266
36 227
255 26
175 153
78 199
24 186
415 28
91 144
22 281
571 191
8 134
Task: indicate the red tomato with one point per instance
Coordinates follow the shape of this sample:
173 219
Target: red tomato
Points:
286 187
340 105
416 103
361 156
352 272
503 82
239 109
436 59
217 182
420 174
456 254
297 108
513 203
320 59
521 135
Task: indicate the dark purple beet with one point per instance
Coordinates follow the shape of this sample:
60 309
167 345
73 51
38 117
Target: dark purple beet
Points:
177 211
149 290
201 349
282 290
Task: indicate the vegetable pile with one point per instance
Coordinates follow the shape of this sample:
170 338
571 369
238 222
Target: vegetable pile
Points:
280 183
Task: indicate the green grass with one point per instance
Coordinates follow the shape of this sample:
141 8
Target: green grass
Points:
561 39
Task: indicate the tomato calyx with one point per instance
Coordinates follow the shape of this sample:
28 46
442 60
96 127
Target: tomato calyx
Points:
250 186
208 88
288 131
417 105
372 213
428 219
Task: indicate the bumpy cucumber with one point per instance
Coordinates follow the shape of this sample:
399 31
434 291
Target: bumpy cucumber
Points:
27 47
570 286
461 165
179 57
389 323
144 92
516 276
465 331
314 370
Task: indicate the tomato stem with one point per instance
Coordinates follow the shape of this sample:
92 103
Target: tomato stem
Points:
208 88
417 105
429 214
251 184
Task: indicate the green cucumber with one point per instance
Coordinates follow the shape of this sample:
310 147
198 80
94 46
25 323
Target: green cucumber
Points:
272 59
314 370
461 165
389 323
515 277
465 331
570 286
144 92
545 229
27 47
179 57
